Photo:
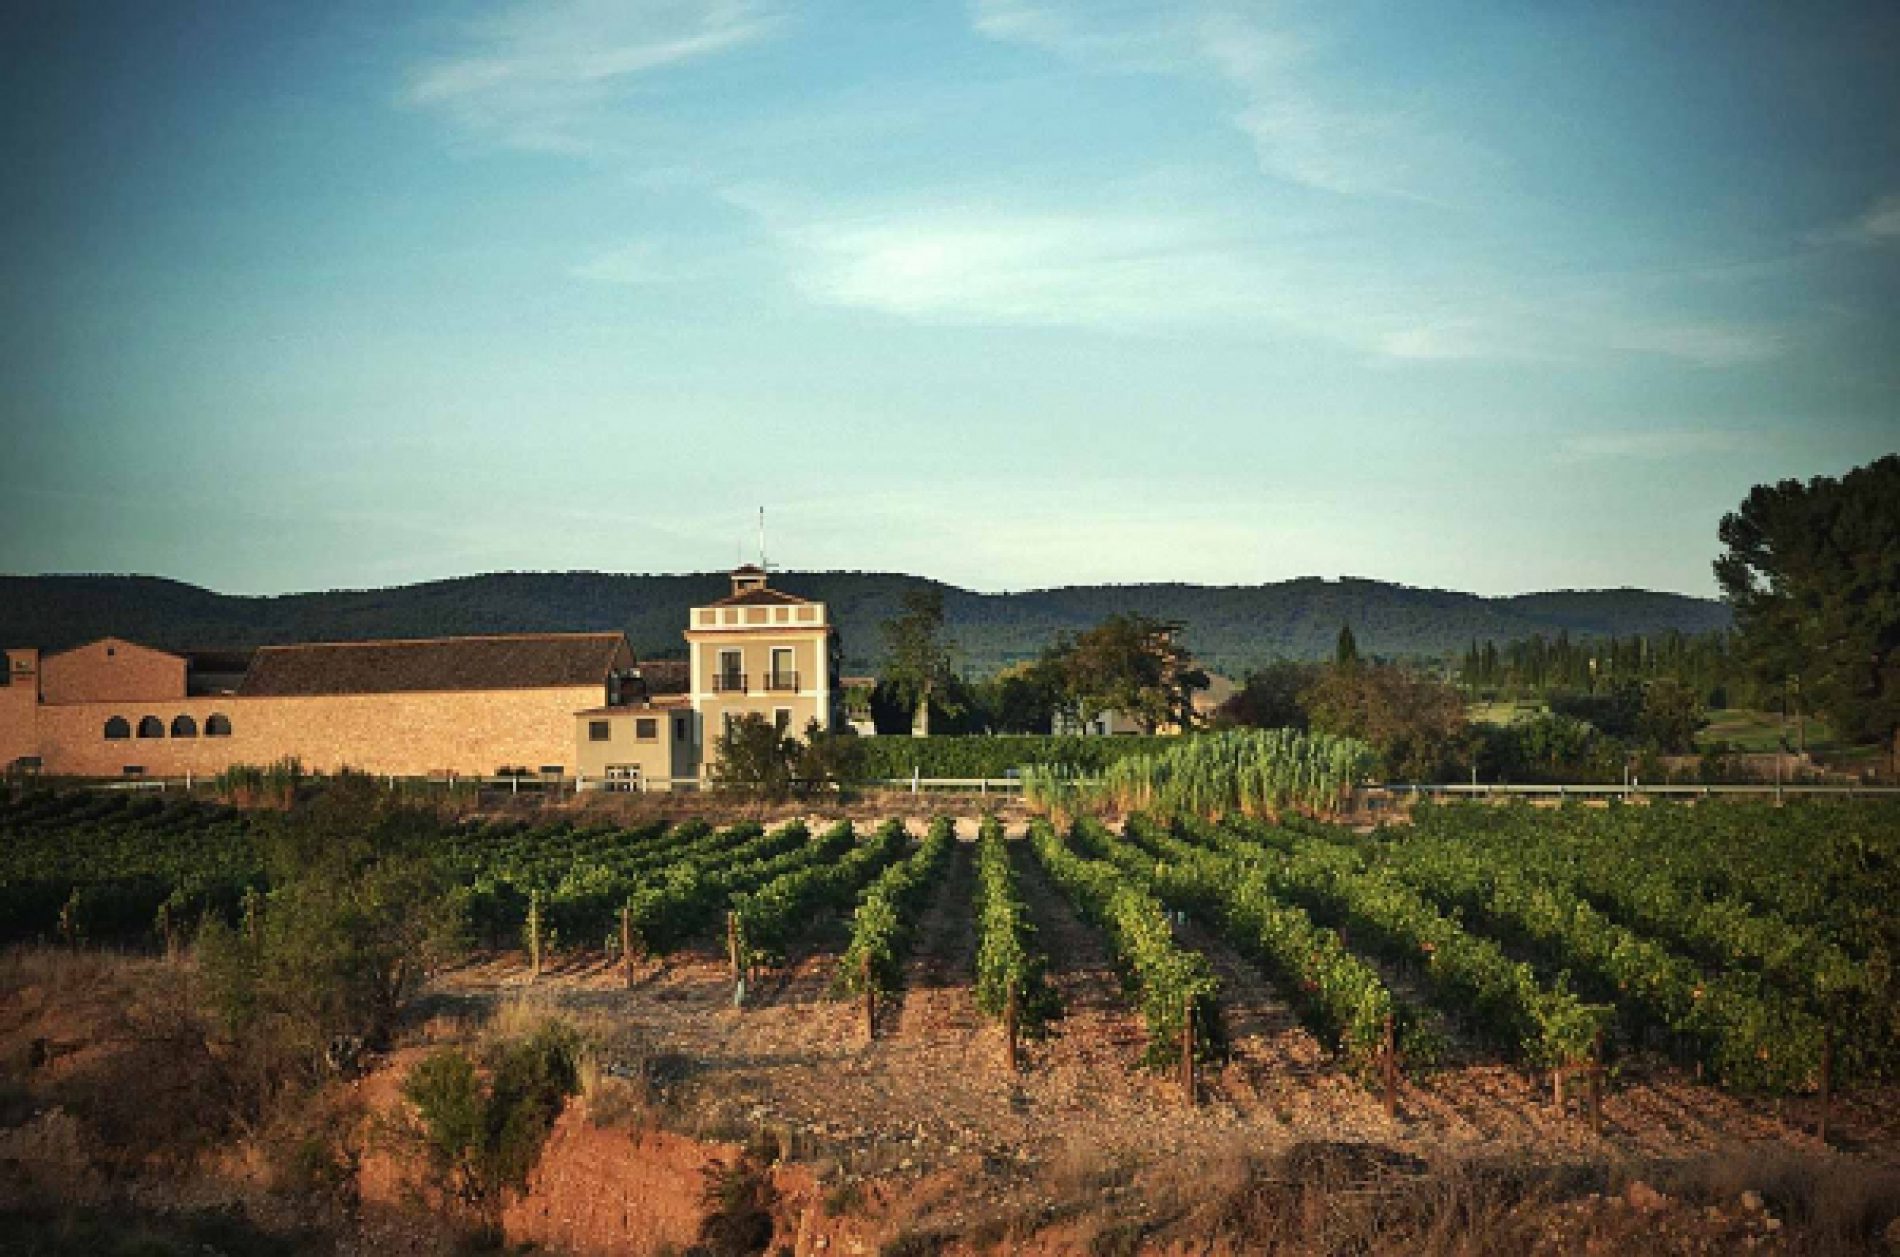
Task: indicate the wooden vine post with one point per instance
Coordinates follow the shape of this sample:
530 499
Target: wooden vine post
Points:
626 943
1009 1026
534 935
732 944
870 998
1827 1081
1596 1085
1389 1066
1189 1087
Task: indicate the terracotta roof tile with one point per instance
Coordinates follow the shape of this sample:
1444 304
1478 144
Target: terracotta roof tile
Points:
514 662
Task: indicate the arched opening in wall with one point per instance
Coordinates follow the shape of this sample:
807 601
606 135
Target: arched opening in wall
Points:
117 730
184 727
217 725
151 727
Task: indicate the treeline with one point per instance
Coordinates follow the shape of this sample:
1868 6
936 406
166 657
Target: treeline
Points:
1418 726
1539 667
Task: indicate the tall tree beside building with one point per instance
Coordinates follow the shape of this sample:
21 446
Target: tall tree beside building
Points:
1130 664
1812 571
1346 650
917 664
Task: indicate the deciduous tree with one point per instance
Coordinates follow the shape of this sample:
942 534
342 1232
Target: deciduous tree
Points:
1132 664
1416 724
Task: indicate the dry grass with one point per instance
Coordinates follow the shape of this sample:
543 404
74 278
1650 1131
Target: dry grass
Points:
1839 1205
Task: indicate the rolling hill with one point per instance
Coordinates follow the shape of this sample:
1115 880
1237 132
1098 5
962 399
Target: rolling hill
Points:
1231 627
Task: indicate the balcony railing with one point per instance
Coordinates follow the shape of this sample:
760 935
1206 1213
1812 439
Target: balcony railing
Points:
729 683
782 681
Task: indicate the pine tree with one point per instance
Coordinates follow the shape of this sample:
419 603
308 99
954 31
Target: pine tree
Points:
1346 653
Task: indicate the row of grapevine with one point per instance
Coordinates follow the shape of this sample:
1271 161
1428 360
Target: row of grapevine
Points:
582 899
882 926
1165 977
1652 891
1468 975
1744 1033
768 916
112 865
684 899
1007 960
1339 996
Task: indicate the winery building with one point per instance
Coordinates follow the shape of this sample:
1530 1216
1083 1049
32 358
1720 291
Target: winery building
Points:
558 705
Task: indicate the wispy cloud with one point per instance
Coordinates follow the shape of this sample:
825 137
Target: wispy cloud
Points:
1125 263
1879 225
545 76
1305 127
1653 444
1707 344
988 264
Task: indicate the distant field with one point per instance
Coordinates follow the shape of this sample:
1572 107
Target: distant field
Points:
1750 730
1505 712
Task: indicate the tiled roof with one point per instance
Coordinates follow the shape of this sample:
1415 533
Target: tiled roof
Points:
761 598
514 662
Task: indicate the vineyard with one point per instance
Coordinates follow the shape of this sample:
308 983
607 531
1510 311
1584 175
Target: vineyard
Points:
1741 948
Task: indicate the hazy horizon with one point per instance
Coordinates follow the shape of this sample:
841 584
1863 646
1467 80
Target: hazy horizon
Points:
1013 293
787 577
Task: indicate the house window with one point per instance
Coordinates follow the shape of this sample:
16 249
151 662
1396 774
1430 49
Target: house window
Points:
784 675
217 725
151 727
646 729
599 731
184 727
117 730
731 678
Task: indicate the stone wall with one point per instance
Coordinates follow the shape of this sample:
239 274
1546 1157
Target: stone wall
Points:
111 669
467 732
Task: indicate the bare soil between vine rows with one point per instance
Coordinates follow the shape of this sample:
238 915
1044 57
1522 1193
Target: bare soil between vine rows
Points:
932 1092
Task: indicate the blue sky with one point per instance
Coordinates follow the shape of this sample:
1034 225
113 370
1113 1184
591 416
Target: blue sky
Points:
1496 297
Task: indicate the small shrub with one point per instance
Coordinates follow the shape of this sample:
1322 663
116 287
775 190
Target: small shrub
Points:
485 1133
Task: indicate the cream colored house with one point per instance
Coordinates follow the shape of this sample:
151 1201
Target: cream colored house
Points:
644 739
762 651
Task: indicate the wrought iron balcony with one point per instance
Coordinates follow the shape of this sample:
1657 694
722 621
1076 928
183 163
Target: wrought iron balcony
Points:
729 683
786 682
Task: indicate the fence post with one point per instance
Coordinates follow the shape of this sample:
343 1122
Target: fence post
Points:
1188 1087
1827 1081
1389 1063
870 999
1009 1026
626 942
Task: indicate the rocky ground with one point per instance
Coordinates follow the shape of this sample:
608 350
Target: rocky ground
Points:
921 1139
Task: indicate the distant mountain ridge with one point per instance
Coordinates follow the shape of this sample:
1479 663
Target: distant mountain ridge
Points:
1231 627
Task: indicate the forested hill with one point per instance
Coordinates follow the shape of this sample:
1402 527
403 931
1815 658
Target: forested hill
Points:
1231 627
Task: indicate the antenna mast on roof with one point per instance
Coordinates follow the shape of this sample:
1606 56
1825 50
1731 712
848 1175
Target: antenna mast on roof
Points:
764 565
